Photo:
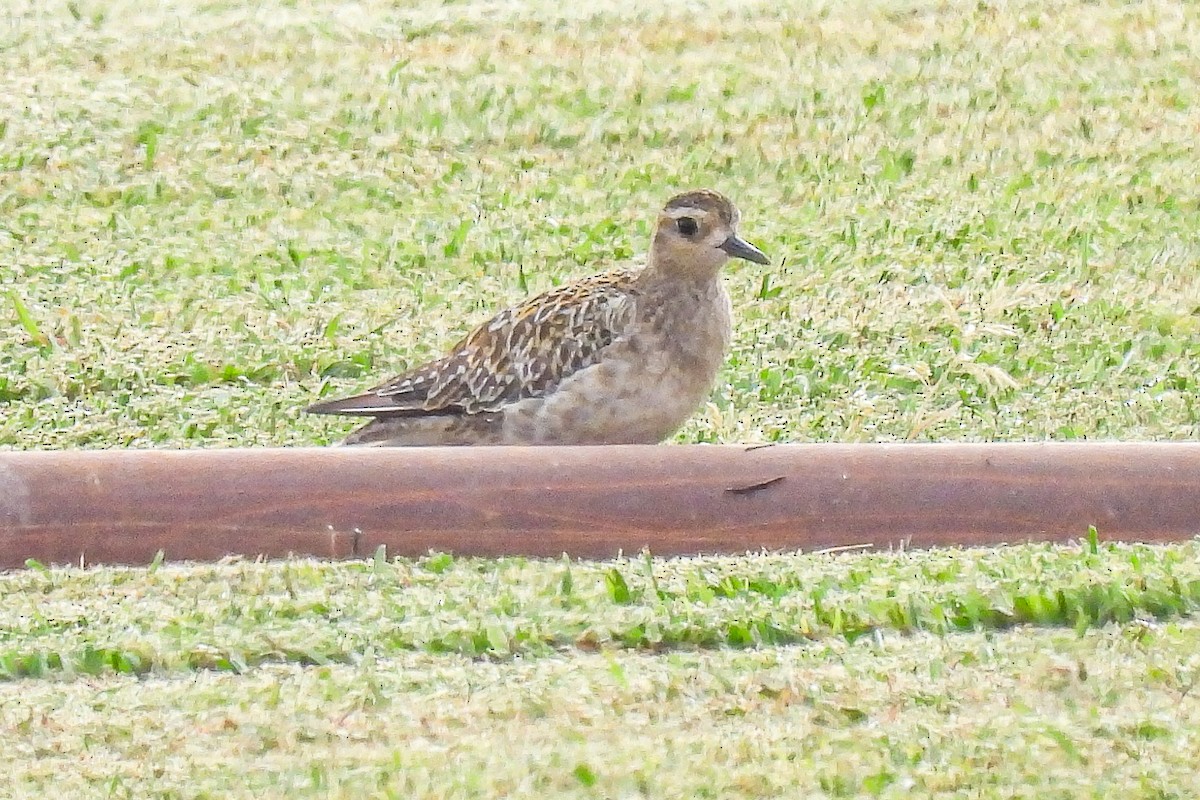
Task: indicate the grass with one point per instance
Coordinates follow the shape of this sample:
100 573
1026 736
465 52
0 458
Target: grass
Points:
1046 671
237 617
983 218
983 224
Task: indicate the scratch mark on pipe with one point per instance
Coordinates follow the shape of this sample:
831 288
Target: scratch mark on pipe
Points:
755 487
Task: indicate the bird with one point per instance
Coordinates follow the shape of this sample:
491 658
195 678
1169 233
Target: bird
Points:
623 357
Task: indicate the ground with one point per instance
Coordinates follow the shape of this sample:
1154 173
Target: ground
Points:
982 219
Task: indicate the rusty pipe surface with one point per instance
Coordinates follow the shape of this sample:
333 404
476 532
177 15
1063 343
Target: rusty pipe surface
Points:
590 502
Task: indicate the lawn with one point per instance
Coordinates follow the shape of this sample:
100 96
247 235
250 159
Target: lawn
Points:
1030 671
983 222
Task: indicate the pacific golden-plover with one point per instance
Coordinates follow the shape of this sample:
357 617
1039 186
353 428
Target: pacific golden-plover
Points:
624 357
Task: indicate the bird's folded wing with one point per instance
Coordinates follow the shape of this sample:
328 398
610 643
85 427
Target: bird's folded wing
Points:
522 352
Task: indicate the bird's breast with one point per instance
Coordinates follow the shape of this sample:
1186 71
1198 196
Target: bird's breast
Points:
692 323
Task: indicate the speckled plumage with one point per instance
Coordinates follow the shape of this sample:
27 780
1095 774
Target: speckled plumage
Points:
621 357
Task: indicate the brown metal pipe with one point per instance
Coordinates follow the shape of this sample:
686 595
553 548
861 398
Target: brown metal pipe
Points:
125 506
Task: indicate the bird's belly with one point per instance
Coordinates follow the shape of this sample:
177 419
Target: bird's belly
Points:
639 396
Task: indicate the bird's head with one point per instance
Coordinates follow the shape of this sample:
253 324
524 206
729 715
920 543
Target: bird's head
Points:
697 234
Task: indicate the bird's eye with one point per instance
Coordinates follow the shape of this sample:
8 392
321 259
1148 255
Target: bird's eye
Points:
687 226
